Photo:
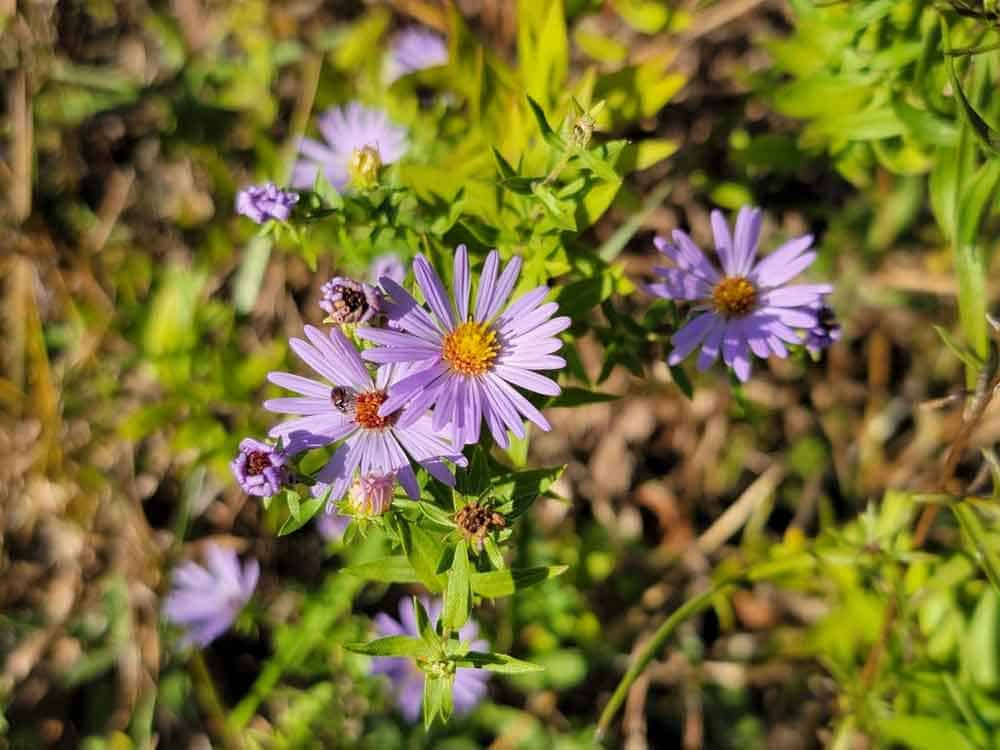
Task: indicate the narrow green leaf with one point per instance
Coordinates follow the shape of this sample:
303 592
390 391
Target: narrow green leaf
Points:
519 490
393 645
305 513
500 663
396 569
988 138
423 551
550 136
497 583
985 549
456 600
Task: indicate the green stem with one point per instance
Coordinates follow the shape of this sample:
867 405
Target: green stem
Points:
687 610
208 697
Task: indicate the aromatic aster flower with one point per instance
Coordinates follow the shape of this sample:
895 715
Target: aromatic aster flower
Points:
359 141
347 408
260 468
414 49
826 331
206 600
407 679
266 202
465 362
748 307
387 265
348 301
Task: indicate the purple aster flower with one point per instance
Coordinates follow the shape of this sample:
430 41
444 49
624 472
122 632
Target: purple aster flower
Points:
265 202
206 600
260 468
824 333
748 307
414 49
349 301
407 679
465 362
359 140
346 408
387 265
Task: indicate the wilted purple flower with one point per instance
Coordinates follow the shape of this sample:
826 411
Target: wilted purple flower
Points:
824 333
464 365
407 679
348 410
205 601
371 494
388 265
414 49
747 308
349 301
265 202
331 526
260 468
357 138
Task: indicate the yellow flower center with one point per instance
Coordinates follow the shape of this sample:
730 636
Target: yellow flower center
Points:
471 348
734 296
366 411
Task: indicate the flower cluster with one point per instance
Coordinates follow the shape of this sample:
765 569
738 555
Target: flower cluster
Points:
747 306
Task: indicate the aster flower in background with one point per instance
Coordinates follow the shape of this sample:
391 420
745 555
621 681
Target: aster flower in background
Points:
826 331
348 301
206 600
359 141
465 362
347 408
415 49
331 526
265 203
407 679
259 468
388 265
748 307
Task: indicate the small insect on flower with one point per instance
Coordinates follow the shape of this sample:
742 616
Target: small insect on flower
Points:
475 521
749 306
343 399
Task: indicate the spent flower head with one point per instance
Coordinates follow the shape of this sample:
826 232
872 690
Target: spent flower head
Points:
347 408
748 306
407 679
465 361
356 138
266 202
206 600
260 469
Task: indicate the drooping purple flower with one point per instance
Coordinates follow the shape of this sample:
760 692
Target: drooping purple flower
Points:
358 140
206 600
346 408
407 679
260 469
415 49
464 362
348 301
388 265
826 331
748 307
266 202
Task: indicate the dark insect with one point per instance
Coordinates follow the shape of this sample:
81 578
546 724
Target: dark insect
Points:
342 398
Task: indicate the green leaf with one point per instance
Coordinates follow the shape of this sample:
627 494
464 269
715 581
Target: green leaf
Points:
966 355
543 47
984 547
303 514
423 552
395 569
456 600
944 191
924 733
550 136
988 138
980 655
393 645
500 663
424 625
474 480
437 698
516 492
925 126
579 397
497 583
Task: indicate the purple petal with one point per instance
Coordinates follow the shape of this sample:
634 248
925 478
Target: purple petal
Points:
688 337
434 291
463 282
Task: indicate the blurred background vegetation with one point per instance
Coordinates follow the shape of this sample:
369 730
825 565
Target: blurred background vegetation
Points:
140 315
